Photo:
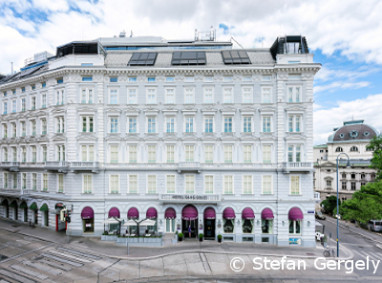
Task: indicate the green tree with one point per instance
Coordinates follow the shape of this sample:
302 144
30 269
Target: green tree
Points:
376 162
329 204
365 204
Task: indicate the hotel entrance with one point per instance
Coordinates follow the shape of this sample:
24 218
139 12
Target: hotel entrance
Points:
209 223
190 221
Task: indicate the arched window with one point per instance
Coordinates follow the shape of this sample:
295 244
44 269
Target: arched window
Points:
339 149
354 149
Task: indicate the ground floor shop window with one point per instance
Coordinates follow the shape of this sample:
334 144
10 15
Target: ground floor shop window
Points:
247 225
88 225
267 226
294 227
228 225
170 225
35 217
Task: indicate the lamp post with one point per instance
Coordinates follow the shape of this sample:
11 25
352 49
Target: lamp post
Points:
338 213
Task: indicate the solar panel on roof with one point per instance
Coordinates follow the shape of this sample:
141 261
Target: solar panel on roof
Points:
188 58
143 59
235 57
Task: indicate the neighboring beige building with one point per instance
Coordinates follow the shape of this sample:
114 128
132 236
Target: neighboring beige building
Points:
352 138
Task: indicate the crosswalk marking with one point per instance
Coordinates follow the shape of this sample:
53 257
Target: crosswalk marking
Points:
55 264
371 255
15 276
44 268
76 258
80 253
29 272
57 258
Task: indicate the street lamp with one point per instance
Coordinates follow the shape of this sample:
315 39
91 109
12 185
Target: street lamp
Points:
338 213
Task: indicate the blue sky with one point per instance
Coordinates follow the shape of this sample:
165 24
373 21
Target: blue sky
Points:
345 38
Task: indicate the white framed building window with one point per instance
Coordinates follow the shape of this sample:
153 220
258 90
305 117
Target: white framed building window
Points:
87 153
228 95
267 153
60 124
60 152
33 127
208 153
5 131
5 180
247 124
87 124
208 184
44 127
60 182
294 94
14 129
132 124
266 185
87 183
295 185
228 185
247 153
87 96
190 184
132 97
228 153
266 124
24 128
45 182
23 104
34 181
23 154
151 124
14 181
228 124
114 184
170 124
133 184
247 184
44 103
114 125
208 124
44 153
189 79
114 153
170 153
189 152
169 95
208 95
188 124
294 123
151 95
170 184
189 95
151 184
266 94
113 96
133 154
60 97
24 181
151 153
294 153
33 103
247 94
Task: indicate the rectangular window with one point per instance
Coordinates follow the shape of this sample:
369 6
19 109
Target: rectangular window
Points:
23 104
43 127
114 125
61 153
266 186
344 187
352 186
266 95
5 131
208 184
294 123
294 153
5 108
208 154
227 95
34 154
133 184
45 182
228 153
294 94
23 154
44 153
87 185
294 185
151 184
60 97
60 124
113 96
170 184
247 94
87 153
33 103
34 181
60 183
228 124
190 184
247 184
151 79
189 153
208 95
228 185
208 124
24 181
14 129
151 125
132 96
113 79
14 154
151 95
170 79
114 153
267 126
189 126
14 177
87 124
114 184
267 157
169 96
132 79
33 125
14 106
247 153
170 124
170 153
5 180
133 154
43 101
189 95
151 150
247 124
132 125
87 96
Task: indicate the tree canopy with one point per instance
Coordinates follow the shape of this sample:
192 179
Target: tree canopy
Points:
329 204
376 162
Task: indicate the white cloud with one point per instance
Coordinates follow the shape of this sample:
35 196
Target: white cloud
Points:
340 85
367 109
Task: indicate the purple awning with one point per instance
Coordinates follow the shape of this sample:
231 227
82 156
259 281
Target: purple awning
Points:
189 213
114 212
209 213
151 213
228 213
267 214
295 214
87 213
170 213
133 213
247 213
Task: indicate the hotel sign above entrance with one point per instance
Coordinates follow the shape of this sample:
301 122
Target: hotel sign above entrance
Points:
189 198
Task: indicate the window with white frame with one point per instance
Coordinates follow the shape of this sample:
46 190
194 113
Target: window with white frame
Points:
228 153
247 184
294 123
87 153
247 153
151 153
43 101
208 124
294 153
60 98
189 124
23 104
60 124
87 96
5 107
267 124
189 95
190 184
295 227
34 181
170 124
266 185
208 95
45 182
114 153
5 180
151 96
24 128
170 79
267 153
33 127
189 79
189 152
208 153
295 185
151 124
132 97
227 78
151 184
227 95
294 94
14 106
114 128
247 124
44 153
247 94
23 154
43 127
133 184
228 185
87 183
87 124
14 180
60 183
228 120
33 103
169 95
170 184
60 151
133 155
5 131
14 154
170 153
24 181
113 96
14 129
114 184
132 125
208 184
5 154
34 154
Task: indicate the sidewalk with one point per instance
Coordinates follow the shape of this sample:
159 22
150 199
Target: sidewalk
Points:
110 249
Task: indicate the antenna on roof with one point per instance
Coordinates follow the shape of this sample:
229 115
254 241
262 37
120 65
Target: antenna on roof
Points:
131 33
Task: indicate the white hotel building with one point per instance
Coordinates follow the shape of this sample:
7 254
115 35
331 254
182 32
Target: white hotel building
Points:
183 132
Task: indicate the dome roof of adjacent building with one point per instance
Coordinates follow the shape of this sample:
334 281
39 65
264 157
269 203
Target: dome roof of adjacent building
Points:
353 130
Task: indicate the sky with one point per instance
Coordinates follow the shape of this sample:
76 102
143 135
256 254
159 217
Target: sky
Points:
344 36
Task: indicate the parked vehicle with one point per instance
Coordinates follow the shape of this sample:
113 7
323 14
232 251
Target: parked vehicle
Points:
375 225
319 215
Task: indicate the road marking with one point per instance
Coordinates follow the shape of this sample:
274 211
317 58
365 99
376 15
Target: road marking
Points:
16 276
29 272
69 256
55 264
57 258
80 253
39 266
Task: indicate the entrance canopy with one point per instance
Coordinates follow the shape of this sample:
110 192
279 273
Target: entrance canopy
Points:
114 212
189 212
170 213
295 214
130 222
87 213
33 206
267 214
44 207
151 213
229 213
147 222
247 213
209 213
133 213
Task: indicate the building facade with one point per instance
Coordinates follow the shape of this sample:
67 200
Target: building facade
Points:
352 139
188 133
